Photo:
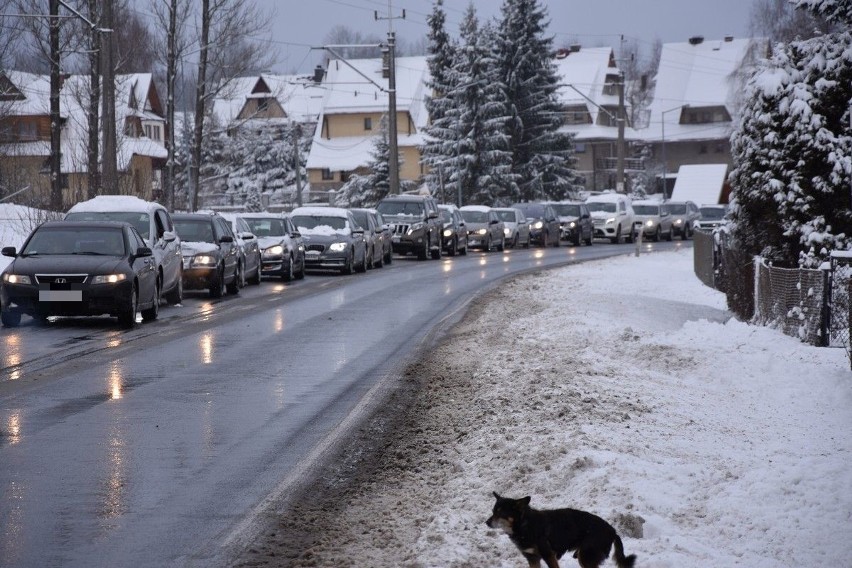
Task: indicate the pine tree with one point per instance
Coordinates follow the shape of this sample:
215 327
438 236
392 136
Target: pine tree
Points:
792 148
543 157
439 151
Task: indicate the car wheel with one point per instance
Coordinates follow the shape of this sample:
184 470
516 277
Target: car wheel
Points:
617 239
591 238
454 247
658 236
127 316
235 285
255 279
347 266
175 296
151 313
463 251
379 263
502 246
10 318
362 267
368 259
529 241
437 252
300 275
670 235
290 274
217 287
389 256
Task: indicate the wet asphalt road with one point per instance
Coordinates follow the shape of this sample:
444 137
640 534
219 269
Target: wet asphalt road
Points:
154 446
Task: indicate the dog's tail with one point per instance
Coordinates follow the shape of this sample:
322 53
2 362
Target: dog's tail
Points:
621 560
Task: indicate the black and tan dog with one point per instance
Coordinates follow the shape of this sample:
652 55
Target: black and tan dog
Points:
548 534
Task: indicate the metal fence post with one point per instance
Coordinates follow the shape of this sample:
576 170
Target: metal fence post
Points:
825 324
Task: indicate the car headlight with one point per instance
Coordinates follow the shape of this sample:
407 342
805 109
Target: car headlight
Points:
610 221
275 251
482 231
572 224
17 279
678 221
415 227
448 232
650 222
109 278
507 231
204 260
537 225
337 247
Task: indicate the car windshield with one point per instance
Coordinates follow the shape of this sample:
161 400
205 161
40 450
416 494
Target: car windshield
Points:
266 227
474 216
714 213
676 208
601 206
567 210
361 218
319 224
646 209
195 230
139 220
400 208
531 210
76 240
446 216
507 216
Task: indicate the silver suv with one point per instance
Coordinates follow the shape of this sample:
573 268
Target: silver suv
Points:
153 222
415 224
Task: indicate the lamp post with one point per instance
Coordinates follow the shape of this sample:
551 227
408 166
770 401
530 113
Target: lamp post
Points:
663 144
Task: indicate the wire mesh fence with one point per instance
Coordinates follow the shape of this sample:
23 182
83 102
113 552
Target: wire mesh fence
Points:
839 305
791 300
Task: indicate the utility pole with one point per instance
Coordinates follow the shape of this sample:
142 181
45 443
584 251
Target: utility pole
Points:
619 180
110 156
55 117
297 162
393 159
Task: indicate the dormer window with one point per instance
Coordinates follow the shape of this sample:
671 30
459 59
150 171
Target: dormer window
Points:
368 123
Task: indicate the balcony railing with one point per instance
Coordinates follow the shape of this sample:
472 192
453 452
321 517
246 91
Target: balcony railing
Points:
611 164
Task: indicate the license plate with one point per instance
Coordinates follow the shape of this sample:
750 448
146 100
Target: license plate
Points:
312 253
60 295
395 239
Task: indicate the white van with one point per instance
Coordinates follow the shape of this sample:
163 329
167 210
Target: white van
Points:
153 222
613 217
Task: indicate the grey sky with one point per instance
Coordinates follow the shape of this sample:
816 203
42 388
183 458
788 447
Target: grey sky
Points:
298 25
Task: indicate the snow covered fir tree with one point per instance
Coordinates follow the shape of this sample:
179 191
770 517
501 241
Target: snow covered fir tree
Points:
792 149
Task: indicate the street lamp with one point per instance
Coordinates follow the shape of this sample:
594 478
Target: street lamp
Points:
663 144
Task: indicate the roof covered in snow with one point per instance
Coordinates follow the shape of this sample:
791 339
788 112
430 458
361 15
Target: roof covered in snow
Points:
700 74
299 96
700 183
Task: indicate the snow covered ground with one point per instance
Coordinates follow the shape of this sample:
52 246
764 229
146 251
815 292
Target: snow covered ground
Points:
621 387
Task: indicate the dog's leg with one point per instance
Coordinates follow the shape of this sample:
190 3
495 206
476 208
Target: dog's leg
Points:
533 559
591 557
551 560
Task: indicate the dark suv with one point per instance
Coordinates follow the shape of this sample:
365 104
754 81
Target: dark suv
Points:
415 222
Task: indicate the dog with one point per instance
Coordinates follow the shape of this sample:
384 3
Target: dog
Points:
548 534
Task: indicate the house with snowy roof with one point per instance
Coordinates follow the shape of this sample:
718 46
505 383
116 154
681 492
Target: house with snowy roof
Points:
269 99
25 136
588 94
356 100
696 101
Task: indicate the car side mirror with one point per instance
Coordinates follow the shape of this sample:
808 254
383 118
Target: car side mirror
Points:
296 235
169 236
143 251
9 251
358 232
432 215
226 239
247 236
493 222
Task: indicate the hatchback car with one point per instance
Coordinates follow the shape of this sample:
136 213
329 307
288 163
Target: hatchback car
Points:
575 222
373 236
544 223
454 235
484 227
281 245
211 255
333 239
652 220
515 226
684 216
66 268
153 222
250 261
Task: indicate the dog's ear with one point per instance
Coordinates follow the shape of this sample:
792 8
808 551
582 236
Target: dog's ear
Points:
496 496
525 501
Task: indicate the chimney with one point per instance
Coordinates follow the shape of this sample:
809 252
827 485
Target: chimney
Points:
575 47
696 40
319 73
729 38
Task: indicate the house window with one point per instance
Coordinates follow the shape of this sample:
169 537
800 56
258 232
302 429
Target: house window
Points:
368 123
327 175
262 105
148 130
27 131
580 147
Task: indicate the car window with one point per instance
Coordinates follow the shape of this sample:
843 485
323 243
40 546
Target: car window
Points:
401 208
601 206
510 216
646 209
474 216
267 226
140 220
76 240
195 230
135 240
319 224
